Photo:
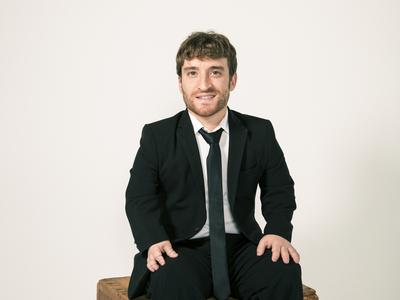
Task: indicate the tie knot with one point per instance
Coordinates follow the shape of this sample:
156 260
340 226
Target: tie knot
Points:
211 137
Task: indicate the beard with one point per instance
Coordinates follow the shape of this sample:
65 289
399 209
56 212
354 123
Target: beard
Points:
218 103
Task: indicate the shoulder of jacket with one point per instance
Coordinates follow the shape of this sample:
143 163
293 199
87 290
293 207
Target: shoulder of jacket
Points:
250 120
166 122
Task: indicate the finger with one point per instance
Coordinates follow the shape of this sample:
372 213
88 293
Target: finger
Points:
294 254
153 263
285 254
268 244
170 252
160 259
261 248
276 252
152 266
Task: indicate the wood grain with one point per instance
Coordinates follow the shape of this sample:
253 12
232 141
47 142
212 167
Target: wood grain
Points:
117 289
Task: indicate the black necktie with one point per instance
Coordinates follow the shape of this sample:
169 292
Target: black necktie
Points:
219 263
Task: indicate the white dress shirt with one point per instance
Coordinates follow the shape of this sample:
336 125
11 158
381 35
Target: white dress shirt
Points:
204 147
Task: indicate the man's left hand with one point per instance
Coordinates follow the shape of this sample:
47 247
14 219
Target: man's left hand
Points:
280 247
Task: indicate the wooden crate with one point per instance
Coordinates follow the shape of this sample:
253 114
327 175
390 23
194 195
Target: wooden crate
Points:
117 289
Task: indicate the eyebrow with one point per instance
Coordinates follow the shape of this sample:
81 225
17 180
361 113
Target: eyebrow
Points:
212 67
218 68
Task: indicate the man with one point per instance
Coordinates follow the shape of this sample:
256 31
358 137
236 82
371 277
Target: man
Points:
190 198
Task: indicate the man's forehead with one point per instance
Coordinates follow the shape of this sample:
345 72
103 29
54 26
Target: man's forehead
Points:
205 61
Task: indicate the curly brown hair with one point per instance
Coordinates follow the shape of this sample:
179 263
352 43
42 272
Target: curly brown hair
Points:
206 45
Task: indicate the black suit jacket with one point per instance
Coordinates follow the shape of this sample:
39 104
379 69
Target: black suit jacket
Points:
165 196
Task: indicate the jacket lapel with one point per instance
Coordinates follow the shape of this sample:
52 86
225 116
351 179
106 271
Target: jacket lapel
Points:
237 141
186 138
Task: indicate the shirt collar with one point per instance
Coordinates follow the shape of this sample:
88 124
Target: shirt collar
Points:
197 124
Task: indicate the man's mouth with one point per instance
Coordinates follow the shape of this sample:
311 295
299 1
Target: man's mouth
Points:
205 97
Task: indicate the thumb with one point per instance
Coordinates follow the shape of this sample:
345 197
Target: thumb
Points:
170 251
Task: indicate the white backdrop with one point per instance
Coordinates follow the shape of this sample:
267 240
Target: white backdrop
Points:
79 79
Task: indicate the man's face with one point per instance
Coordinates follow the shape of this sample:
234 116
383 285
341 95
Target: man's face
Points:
205 85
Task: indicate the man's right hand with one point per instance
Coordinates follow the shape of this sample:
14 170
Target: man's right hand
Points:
155 255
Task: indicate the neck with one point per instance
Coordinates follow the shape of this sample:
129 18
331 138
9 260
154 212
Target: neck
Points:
212 121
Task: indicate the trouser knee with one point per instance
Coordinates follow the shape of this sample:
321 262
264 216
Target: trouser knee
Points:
291 273
289 284
171 282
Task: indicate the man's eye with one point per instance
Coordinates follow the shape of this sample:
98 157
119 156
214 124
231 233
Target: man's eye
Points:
191 73
216 73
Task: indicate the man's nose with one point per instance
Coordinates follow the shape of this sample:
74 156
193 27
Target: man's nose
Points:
204 82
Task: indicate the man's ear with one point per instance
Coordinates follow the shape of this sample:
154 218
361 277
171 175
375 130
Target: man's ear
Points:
232 82
180 84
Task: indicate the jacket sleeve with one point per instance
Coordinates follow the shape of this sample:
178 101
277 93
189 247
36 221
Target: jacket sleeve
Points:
143 202
277 190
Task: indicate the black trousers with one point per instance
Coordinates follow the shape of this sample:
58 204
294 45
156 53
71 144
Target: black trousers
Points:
188 277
